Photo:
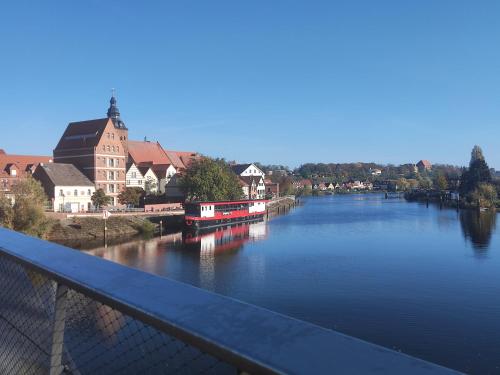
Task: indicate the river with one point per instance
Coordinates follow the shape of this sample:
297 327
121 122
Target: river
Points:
422 280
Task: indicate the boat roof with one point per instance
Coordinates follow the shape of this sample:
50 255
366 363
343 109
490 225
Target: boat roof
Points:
219 203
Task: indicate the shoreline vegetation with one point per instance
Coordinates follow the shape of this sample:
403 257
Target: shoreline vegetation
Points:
213 179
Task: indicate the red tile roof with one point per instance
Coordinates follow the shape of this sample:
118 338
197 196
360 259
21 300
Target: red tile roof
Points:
147 153
25 164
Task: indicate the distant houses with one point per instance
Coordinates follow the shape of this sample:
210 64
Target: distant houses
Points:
424 165
251 179
14 168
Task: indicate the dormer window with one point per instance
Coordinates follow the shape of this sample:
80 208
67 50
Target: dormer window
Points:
13 172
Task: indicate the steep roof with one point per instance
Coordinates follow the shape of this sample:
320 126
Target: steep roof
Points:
64 174
240 168
249 180
82 134
147 152
425 163
25 164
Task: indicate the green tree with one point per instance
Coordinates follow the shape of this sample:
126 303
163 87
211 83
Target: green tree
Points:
28 210
478 173
476 154
209 179
130 196
441 182
99 198
485 195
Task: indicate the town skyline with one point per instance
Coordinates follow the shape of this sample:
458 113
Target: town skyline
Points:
388 83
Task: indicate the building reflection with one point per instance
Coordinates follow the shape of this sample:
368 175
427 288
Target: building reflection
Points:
478 227
161 255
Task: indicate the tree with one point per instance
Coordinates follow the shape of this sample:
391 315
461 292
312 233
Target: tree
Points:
402 184
476 154
209 179
477 173
485 195
99 198
441 182
28 211
130 196
6 212
425 183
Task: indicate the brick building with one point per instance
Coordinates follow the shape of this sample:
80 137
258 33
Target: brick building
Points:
99 149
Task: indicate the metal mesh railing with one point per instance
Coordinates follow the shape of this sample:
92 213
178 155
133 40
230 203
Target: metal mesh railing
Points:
48 328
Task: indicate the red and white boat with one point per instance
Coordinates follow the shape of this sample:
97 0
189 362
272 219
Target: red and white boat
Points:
214 214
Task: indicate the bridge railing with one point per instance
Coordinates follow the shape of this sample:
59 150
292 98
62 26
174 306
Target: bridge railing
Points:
66 312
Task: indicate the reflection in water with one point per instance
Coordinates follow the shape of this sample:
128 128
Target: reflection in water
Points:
478 227
151 255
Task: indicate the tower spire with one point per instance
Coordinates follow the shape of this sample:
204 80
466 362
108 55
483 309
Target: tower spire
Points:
114 112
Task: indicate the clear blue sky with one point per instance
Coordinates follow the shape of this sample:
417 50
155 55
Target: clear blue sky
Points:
275 81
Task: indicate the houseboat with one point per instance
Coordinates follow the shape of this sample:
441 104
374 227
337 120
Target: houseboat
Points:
214 214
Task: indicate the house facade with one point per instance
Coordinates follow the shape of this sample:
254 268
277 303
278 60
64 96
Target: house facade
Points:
244 172
68 189
253 187
99 149
424 165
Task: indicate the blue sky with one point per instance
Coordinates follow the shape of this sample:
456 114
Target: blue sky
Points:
283 82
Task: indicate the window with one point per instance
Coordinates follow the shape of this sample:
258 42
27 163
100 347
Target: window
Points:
134 174
89 192
139 182
76 193
117 148
111 188
61 193
103 147
111 162
117 162
108 148
111 175
13 172
113 148
127 182
112 135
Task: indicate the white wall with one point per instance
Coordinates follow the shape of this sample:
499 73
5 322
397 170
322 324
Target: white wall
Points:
252 170
134 177
255 207
68 201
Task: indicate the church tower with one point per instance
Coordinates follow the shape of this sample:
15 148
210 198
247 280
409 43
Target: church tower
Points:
114 114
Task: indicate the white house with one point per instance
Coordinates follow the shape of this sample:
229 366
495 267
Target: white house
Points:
134 177
66 187
165 174
247 170
151 181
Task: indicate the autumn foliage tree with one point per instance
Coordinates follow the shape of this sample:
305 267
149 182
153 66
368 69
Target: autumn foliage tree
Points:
209 179
27 214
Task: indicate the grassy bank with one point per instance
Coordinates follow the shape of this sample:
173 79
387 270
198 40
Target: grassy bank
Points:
90 228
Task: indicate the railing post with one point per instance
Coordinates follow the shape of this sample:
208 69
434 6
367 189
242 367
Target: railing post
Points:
56 352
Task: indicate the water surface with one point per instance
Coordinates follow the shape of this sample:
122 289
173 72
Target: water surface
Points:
419 279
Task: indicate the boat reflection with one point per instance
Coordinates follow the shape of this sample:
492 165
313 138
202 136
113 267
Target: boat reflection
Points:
161 255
